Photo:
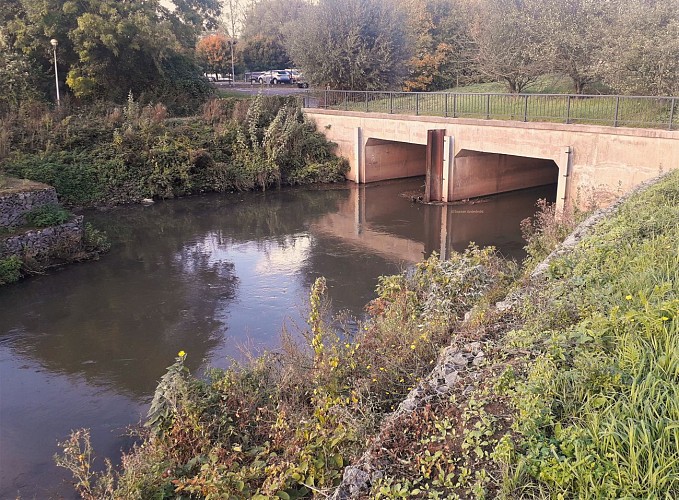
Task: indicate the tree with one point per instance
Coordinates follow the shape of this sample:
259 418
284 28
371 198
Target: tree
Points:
355 44
16 80
214 52
271 18
107 47
189 18
641 55
262 53
572 32
264 25
507 44
441 45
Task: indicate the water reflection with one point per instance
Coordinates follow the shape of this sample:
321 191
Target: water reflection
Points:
84 346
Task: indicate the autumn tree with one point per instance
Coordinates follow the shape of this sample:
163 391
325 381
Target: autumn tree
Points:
355 44
441 46
214 52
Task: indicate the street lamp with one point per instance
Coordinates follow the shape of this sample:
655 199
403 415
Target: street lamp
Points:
54 43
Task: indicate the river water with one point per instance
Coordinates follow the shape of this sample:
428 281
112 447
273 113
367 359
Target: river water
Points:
217 276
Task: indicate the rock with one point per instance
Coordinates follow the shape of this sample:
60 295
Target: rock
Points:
474 347
451 378
354 481
478 359
460 359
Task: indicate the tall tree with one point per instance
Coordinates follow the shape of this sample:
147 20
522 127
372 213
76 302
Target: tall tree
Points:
508 47
264 26
108 47
262 52
355 44
270 18
441 46
572 33
641 55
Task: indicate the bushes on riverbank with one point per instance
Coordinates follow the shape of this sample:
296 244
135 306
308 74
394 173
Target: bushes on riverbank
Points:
114 155
288 423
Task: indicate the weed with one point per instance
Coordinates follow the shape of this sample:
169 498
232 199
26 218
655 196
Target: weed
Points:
10 270
48 215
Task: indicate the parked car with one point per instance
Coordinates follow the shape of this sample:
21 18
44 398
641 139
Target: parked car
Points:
298 78
253 76
275 76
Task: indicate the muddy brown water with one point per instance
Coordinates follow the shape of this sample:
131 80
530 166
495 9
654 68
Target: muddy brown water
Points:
216 276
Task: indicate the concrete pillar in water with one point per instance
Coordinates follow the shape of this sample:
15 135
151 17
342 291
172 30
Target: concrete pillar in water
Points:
433 189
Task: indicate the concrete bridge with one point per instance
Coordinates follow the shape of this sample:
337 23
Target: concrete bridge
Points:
465 158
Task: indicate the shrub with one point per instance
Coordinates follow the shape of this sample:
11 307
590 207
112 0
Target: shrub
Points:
95 240
10 270
48 215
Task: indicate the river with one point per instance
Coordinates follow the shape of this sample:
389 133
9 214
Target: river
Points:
217 276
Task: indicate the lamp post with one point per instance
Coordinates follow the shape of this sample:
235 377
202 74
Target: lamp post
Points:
54 43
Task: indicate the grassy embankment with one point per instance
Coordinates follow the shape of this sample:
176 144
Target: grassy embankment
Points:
577 395
580 397
109 155
650 112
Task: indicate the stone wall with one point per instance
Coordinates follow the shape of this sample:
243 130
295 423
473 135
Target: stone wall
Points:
44 244
15 205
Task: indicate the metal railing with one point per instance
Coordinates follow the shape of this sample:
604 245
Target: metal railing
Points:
609 110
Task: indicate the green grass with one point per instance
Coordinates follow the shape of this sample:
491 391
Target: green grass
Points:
598 409
225 93
491 101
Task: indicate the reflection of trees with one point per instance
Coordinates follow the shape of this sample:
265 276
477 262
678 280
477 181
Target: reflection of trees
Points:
121 323
122 320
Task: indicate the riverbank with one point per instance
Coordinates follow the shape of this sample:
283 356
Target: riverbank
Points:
540 399
109 155
36 233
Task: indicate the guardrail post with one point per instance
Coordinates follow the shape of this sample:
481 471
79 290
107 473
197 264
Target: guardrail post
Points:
568 109
525 108
454 105
325 102
445 105
346 101
417 104
488 107
366 101
391 103
617 109
671 113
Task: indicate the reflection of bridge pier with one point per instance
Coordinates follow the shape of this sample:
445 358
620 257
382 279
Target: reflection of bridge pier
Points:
379 218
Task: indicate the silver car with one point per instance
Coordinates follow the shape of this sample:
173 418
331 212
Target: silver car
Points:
275 76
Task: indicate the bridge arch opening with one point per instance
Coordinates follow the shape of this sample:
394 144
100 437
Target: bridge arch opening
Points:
393 160
478 173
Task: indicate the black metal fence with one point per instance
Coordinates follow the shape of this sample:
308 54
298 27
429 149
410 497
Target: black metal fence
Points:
609 110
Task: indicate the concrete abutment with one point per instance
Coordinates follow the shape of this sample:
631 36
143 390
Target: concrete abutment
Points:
482 157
